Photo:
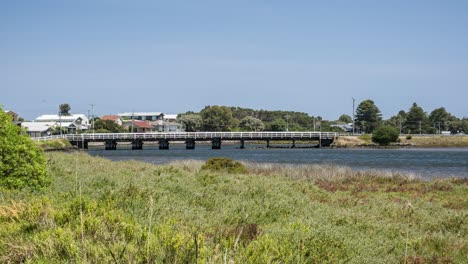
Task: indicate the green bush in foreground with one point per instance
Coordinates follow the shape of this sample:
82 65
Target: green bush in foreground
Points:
385 135
224 164
22 163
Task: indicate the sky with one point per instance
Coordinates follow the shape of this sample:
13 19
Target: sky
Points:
177 56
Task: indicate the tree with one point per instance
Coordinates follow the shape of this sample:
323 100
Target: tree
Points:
397 121
217 118
439 118
22 163
384 135
107 126
345 119
191 122
416 121
278 125
368 116
251 123
64 109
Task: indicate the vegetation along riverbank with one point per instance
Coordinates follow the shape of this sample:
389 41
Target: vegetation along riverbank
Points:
96 210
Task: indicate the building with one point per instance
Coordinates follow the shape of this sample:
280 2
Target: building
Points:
13 115
143 116
38 129
169 127
344 127
114 118
72 123
170 117
138 126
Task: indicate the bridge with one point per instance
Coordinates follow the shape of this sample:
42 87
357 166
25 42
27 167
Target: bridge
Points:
137 140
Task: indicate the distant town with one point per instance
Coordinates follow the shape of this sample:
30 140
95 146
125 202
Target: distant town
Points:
365 119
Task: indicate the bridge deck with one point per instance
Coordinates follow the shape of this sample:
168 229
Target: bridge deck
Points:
199 136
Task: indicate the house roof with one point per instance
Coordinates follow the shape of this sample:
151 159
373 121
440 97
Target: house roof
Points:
140 114
142 124
170 116
70 118
110 117
38 126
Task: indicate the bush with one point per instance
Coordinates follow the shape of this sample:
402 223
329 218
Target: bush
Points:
384 135
409 137
224 164
22 163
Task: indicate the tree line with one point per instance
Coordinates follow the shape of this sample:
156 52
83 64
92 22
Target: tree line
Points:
367 118
414 121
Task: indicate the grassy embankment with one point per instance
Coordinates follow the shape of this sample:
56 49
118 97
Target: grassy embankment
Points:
55 144
416 141
99 211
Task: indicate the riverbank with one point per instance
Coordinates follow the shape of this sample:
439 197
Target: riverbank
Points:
97 210
404 141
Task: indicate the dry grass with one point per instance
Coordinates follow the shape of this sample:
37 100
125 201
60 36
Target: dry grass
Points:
437 141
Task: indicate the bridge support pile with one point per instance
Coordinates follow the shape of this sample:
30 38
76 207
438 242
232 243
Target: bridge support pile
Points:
80 144
137 144
110 145
216 143
163 144
190 144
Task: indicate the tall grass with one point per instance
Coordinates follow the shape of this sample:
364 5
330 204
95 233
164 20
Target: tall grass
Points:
133 212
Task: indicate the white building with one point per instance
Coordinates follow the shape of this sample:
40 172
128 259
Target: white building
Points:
143 116
170 117
71 122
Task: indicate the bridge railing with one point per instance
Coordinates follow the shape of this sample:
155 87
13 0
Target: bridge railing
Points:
192 135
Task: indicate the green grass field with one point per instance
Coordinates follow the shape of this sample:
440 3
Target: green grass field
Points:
99 211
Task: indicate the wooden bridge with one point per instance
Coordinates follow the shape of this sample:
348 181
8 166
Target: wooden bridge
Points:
190 138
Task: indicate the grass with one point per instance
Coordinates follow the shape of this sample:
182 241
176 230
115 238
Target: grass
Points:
134 212
418 141
55 144
437 141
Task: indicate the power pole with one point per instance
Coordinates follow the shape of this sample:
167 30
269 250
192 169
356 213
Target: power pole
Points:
132 121
92 117
314 123
60 120
353 116
420 130
287 123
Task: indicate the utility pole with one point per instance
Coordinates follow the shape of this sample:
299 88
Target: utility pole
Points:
92 117
287 123
60 121
420 130
132 121
353 116
314 123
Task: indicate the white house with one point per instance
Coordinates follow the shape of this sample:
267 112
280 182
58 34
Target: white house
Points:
71 122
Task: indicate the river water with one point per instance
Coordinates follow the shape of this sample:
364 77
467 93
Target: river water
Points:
425 162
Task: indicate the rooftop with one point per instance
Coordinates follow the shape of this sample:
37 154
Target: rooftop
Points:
110 117
140 114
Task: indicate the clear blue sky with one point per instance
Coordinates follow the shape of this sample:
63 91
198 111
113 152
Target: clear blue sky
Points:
175 56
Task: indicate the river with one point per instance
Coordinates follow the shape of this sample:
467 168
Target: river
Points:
425 162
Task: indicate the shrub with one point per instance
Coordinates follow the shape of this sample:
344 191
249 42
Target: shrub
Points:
384 135
409 137
224 164
22 163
